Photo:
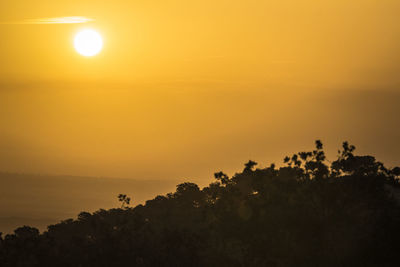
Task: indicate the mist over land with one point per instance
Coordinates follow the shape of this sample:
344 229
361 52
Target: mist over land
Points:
41 200
178 131
180 134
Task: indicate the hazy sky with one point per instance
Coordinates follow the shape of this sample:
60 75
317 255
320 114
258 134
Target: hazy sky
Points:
186 88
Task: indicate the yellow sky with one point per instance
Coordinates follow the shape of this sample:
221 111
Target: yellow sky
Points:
185 88
257 41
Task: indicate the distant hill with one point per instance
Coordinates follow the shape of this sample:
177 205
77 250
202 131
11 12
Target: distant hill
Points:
40 200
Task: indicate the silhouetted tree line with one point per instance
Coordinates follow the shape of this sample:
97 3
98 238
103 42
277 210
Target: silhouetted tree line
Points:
306 213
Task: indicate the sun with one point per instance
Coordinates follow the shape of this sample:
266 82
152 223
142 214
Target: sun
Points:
88 42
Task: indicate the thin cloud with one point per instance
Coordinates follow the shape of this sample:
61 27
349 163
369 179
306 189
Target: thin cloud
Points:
59 20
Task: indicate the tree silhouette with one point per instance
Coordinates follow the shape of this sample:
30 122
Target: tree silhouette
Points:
307 212
125 200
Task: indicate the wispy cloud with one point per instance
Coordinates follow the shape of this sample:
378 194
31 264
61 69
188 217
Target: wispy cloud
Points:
59 20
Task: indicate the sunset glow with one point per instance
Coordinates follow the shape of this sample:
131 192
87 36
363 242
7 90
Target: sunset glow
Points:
100 99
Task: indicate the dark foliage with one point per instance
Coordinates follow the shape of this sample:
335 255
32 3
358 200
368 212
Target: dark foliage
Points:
307 213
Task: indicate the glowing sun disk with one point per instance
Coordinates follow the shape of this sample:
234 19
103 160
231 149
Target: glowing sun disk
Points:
88 43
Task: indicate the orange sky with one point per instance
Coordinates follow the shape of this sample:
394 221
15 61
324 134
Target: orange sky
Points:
185 88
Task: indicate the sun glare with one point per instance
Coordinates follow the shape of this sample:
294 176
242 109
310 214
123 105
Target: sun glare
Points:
88 43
